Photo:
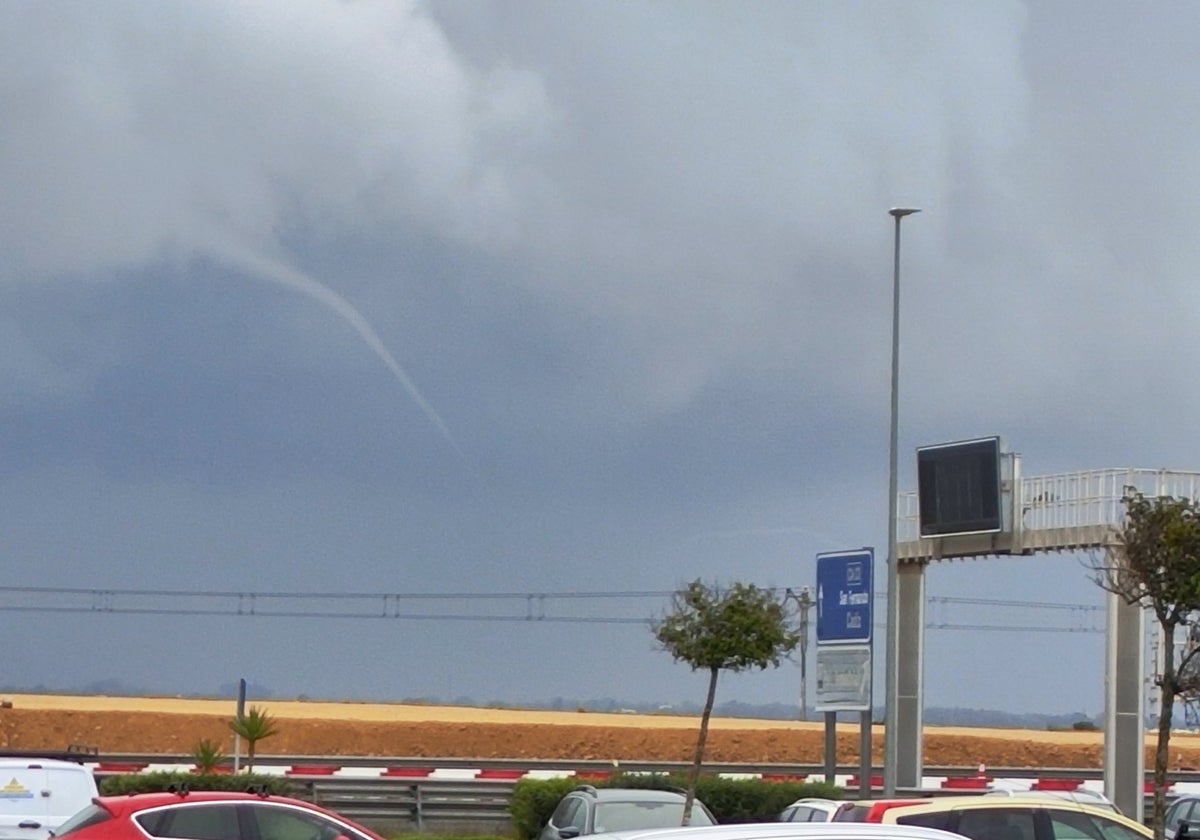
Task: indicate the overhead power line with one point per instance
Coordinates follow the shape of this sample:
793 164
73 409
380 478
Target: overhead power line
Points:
473 607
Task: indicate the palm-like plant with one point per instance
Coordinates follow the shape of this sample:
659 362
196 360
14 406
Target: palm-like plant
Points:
253 726
207 756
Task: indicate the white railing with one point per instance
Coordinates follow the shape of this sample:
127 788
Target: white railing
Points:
1060 512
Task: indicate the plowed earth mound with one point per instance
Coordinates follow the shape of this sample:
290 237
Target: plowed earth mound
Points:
170 726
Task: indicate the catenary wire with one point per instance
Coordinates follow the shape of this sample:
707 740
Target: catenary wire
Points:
257 605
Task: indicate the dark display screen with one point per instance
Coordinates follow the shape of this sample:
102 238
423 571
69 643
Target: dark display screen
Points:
958 486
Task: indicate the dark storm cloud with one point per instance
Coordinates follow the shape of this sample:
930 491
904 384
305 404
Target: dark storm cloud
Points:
631 261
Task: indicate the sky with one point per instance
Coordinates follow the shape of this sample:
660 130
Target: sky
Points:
549 308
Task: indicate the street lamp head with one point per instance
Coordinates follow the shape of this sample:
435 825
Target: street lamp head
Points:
901 212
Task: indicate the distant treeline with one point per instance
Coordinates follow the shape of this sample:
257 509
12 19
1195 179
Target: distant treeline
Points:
935 716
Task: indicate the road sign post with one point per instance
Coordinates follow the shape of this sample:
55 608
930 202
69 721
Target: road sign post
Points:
845 611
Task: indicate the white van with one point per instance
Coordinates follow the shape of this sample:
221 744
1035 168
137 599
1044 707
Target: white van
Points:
38 794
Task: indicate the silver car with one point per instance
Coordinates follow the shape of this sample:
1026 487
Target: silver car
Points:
592 810
786 831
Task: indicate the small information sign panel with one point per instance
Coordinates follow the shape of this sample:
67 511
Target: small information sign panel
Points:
843 678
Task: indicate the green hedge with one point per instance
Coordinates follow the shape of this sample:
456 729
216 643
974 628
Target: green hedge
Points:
730 800
153 782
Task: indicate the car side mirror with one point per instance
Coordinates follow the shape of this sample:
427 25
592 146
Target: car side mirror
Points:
1181 833
569 832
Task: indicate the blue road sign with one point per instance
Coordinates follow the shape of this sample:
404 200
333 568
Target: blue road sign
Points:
844 596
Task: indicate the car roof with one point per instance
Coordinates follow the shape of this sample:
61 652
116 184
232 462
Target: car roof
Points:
870 809
141 801
134 803
10 762
606 794
1084 795
1034 799
783 831
827 807
963 803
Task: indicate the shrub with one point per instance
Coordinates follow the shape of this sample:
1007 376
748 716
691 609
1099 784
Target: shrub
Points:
152 782
534 800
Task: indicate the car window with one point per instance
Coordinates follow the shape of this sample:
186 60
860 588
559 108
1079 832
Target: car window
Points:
578 815
1115 831
277 822
84 818
1075 826
200 821
802 813
1000 823
934 819
1181 810
626 816
1070 825
565 810
851 813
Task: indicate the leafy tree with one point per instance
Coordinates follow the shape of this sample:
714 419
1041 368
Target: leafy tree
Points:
253 726
714 630
1155 562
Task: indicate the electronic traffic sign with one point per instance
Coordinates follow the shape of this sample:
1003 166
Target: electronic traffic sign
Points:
959 487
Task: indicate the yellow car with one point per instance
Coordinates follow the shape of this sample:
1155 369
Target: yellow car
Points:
1018 818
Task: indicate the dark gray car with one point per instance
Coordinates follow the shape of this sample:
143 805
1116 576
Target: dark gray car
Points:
1183 817
592 810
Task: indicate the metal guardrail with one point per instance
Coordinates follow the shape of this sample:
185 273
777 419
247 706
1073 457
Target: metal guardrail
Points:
392 804
595 766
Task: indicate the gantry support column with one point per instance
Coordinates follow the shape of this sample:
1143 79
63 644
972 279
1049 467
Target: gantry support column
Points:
910 675
1124 707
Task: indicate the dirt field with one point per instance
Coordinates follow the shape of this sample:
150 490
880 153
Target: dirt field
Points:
174 726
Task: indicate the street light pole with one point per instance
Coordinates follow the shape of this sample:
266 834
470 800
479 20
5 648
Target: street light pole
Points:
804 602
892 664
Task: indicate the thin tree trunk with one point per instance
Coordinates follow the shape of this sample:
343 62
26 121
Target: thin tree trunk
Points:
694 775
1162 751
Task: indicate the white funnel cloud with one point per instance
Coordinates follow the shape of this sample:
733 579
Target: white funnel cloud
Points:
260 265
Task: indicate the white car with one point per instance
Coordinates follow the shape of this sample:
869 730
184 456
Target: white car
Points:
38 794
785 831
810 810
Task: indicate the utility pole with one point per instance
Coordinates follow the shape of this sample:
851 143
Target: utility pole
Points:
804 601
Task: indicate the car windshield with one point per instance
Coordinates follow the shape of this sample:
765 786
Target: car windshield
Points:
91 815
625 816
850 813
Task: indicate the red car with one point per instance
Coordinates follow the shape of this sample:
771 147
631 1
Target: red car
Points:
208 815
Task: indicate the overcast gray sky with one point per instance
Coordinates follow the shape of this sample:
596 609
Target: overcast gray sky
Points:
545 297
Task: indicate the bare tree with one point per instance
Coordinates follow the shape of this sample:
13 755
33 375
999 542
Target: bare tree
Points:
1155 562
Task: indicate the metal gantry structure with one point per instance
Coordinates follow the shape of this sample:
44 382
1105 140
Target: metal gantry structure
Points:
1063 512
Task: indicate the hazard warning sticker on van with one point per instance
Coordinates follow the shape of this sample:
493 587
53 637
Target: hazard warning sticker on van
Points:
15 790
